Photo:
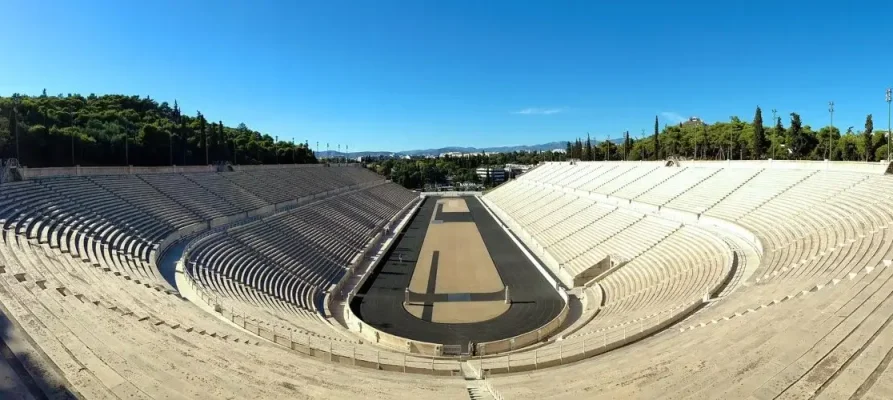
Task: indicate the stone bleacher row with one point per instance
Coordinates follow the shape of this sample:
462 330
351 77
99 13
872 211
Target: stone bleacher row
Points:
577 232
75 275
809 321
111 337
298 255
669 266
813 320
132 213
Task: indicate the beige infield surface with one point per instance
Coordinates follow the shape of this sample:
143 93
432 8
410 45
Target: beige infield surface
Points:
454 205
464 266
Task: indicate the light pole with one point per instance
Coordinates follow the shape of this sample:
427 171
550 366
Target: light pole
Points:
276 149
889 133
830 131
72 150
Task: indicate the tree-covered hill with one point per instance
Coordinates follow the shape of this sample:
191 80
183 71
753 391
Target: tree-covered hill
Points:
741 140
72 129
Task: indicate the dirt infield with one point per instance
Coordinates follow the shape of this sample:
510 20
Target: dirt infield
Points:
454 205
454 259
464 264
380 301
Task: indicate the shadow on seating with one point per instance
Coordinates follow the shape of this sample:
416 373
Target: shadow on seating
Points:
35 384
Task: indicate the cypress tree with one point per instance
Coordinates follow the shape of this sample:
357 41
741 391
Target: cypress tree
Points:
867 138
626 145
202 128
656 138
758 143
797 141
588 147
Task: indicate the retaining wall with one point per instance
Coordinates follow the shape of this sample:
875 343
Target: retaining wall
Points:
37 173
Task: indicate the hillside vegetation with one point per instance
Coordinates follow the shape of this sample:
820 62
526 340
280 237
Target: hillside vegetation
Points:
72 129
93 130
740 140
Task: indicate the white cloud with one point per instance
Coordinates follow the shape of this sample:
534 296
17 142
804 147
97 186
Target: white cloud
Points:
672 117
539 111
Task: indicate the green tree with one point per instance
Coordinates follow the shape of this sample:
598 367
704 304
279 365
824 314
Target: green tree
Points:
758 142
657 152
705 140
797 140
588 148
607 149
99 126
626 145
848 146
202 129
867 141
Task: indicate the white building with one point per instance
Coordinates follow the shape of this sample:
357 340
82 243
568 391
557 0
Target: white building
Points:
497 175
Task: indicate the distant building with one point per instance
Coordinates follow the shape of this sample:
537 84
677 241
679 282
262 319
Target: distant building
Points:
693 121
515 170
497 175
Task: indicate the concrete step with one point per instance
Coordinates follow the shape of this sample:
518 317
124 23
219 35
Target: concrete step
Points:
478 391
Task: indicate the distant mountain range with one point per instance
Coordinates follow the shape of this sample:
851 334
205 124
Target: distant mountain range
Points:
438 151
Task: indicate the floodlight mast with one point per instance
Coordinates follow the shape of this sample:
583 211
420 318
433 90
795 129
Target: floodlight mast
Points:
889 133
830 131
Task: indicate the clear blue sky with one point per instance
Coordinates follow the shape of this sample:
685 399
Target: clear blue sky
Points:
399 75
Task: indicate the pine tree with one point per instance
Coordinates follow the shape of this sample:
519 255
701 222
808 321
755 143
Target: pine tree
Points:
797 141
202 128
222 147
779 132
867 138
758 143
588 147
706 142
175 131
626 145
656 139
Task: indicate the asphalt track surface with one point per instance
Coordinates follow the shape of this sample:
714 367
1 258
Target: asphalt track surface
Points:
380 301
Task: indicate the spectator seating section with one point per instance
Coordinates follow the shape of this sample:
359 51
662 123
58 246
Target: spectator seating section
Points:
806 323
298 255
804 313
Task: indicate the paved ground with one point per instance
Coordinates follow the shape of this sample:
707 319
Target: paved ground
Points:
453 265
380 300
454 205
